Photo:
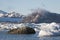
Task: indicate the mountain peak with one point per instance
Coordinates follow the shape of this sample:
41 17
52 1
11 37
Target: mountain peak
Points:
3 12
41 16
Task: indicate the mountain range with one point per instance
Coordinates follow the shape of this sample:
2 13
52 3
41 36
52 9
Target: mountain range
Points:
10 17
37 16
42 16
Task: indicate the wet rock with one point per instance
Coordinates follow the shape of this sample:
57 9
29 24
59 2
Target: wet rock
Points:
22 30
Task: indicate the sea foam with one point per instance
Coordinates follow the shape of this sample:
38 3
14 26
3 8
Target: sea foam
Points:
50 29
44 29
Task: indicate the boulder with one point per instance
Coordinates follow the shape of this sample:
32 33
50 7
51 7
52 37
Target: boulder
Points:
22 30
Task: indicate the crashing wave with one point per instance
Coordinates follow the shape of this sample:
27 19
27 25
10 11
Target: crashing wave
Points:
8 26
43 29
52 29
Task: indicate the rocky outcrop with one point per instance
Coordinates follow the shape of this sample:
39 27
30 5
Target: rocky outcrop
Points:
37 16
42 16
22 30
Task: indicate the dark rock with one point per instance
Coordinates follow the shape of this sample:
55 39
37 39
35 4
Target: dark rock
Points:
22 30
43 16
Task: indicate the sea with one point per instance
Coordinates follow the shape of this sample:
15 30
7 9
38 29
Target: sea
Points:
5 36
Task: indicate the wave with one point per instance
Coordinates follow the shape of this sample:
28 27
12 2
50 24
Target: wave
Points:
43 29
51 29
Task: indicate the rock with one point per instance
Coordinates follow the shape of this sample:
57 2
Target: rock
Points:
22 30
42 16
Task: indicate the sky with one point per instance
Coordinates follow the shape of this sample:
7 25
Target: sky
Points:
25 6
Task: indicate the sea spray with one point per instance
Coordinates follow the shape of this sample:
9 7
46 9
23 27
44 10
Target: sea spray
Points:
51 29
44 29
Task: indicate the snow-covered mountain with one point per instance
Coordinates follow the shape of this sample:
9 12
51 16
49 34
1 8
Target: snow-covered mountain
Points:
3 12
37 16
12 14
10 17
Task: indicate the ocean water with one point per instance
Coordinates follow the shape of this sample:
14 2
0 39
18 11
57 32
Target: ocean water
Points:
53 28
6 36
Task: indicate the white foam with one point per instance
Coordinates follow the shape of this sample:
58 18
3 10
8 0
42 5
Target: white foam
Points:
49 29
44 29
11 25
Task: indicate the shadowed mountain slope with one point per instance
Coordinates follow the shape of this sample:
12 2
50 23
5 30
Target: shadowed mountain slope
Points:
42 16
